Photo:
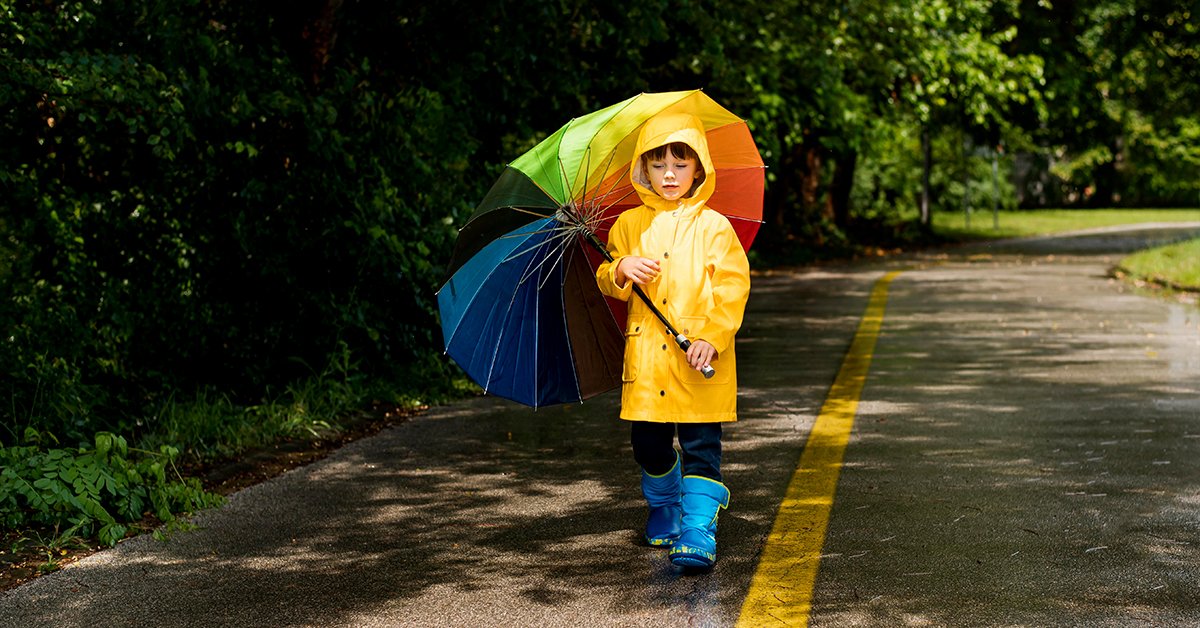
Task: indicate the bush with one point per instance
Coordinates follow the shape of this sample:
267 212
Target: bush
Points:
189 207
94 491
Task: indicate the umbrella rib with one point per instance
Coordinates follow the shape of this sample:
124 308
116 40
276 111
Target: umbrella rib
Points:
612 155
561 245
616 183
500 339
562 251
564 233
546 171
537 338
523 210
562 169
562 295
593 217
522 234
587 172
512 207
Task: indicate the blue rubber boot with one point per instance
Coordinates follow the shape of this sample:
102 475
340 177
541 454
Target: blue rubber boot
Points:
702 500
662 494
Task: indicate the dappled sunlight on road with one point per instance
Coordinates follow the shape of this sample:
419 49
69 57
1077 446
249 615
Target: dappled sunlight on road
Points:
1039 428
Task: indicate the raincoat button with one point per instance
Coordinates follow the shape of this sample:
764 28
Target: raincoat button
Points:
667 254
685 331
664 347
662 393
664 301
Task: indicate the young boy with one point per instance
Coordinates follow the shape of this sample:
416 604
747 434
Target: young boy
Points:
688 260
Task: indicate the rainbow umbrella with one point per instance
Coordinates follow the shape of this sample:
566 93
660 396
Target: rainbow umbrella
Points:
521 311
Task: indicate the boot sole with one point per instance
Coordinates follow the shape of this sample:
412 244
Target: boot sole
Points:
691 560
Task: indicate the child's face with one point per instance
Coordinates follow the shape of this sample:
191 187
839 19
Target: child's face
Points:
672 176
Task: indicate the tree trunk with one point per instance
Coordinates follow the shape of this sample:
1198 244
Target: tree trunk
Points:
798 186
926 167
837 202
809 176
1105 181
321 34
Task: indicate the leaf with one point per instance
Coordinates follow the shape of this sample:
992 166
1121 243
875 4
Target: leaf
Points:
94 510
111 533
103 444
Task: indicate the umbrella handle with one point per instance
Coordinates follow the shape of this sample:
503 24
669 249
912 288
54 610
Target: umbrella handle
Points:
684 343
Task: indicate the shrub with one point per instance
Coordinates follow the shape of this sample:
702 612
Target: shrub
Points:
93 491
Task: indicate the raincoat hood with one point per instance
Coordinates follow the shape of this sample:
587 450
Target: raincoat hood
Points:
666 129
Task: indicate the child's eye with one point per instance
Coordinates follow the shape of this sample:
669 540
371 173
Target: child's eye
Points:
658 165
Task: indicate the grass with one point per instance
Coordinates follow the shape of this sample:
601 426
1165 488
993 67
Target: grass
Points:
1175 266
230 446
1013 224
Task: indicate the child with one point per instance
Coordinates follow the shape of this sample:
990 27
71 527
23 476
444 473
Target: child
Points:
688 260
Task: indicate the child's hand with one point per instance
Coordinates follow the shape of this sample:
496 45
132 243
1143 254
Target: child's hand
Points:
641 270
700 354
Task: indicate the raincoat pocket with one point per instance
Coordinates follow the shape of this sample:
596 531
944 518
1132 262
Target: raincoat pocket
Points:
633 349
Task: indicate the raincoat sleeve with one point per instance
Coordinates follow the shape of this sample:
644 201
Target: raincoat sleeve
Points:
730 273
618 247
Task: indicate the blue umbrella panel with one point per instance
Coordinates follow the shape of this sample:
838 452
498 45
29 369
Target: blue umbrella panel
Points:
524 318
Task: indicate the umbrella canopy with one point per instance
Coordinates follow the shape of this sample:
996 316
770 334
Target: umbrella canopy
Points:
521 311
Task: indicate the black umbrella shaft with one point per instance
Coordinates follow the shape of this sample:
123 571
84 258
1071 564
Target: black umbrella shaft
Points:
680 339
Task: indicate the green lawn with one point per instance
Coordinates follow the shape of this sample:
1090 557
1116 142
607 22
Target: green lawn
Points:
1041 222
1177 265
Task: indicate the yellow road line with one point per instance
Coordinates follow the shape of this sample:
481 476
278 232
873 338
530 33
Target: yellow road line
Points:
781 591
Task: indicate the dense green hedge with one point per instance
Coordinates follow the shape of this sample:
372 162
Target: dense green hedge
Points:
186 208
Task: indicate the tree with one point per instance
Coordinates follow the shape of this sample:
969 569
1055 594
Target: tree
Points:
1121 76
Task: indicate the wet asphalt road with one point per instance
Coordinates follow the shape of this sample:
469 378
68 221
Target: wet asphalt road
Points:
1027 452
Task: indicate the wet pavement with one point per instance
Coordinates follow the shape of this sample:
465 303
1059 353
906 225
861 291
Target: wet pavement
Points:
1027 452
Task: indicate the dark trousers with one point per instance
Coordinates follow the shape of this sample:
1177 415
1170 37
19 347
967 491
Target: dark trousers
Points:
654 447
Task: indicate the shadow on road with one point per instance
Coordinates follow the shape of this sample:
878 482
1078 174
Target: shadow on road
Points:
1024 442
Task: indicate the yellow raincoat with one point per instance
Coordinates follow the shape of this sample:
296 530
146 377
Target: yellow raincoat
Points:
702 289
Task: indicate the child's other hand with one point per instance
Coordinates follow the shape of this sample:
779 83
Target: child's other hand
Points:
700 354
641 270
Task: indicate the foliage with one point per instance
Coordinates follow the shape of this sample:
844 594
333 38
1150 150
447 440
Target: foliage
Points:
203 198
212 426
190 210
96 491
1121 77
